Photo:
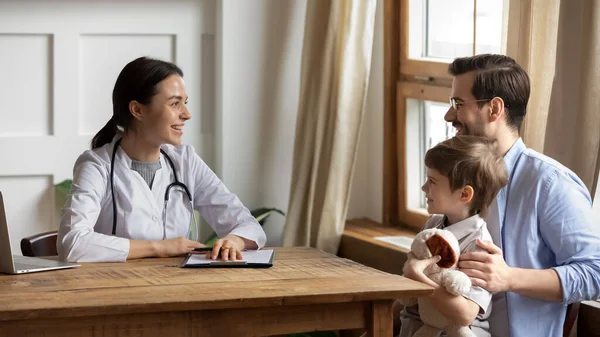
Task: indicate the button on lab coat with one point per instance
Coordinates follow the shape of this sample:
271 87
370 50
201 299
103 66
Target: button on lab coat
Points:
85 233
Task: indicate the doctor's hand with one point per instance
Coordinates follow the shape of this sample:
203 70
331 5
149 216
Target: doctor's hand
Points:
176 247
487 269
230 248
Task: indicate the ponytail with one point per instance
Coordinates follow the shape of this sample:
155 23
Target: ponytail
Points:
138 81
106 134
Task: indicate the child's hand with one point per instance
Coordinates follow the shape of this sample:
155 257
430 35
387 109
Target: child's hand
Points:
414 268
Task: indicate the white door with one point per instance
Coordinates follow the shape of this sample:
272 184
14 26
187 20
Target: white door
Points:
58 63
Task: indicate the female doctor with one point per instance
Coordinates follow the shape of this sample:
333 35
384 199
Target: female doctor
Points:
134 193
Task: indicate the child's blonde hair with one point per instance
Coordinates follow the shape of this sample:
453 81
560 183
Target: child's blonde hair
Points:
473 161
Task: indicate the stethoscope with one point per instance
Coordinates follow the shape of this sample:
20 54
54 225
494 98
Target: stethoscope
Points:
176 183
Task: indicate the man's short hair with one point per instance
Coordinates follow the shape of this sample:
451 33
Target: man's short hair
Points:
497 76
473 161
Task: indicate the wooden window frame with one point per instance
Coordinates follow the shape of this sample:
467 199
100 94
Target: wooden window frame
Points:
424 92
422 79
424 68
391 75
404 78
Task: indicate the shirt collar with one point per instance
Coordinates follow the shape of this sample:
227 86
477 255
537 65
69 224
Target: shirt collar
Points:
465 227
122 158
510 159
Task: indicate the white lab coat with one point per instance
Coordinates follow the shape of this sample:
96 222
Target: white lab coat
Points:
85 233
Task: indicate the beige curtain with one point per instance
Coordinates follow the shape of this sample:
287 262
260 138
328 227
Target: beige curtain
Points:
336 62
558 43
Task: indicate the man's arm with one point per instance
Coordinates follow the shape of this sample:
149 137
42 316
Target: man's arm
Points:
568 229
489 271
541 284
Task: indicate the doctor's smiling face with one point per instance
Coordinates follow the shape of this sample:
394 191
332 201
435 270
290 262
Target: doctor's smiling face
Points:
149 109
161 121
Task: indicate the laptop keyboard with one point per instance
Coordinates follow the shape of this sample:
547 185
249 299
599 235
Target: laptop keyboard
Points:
23 263
26 266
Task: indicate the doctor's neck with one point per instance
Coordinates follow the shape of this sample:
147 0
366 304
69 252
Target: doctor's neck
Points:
139 150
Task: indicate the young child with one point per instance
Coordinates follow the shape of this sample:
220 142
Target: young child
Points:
464 175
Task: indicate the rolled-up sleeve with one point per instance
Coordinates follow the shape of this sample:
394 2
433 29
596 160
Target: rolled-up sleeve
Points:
77 241
481 297
222 209
568 227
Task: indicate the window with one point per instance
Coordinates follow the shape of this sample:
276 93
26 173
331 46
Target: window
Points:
424 36
431 129
434 32
441 29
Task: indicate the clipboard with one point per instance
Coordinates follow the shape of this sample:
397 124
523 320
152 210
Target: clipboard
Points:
252 259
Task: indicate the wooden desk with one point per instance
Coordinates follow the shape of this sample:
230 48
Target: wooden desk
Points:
306 290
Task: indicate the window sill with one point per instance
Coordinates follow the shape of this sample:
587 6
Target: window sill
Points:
359 244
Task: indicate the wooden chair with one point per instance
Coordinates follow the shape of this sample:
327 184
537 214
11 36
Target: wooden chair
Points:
43 244
587 321
572 311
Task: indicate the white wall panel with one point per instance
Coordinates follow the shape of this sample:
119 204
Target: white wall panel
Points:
26 91
59 61
29 205
101 58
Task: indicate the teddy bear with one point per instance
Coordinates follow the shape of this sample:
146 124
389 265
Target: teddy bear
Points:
428 243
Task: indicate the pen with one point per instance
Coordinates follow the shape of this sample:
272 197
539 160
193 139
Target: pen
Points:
203 249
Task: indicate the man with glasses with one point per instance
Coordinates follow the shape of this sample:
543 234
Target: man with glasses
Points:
546 249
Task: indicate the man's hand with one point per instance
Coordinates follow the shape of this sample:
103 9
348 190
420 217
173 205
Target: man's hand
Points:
488 271
414 268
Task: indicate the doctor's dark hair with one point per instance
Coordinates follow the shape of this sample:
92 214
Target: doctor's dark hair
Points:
473 161
138 81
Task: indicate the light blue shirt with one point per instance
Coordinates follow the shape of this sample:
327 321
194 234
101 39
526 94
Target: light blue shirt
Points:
544 219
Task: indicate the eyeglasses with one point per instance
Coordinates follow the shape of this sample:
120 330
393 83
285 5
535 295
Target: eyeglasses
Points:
455 105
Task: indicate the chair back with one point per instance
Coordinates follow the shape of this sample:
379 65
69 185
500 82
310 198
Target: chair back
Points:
588 318
43 244
572 311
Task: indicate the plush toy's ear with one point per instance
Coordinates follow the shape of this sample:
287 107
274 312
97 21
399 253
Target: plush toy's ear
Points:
439 246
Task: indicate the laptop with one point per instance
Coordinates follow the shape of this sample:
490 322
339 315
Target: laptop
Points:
16 264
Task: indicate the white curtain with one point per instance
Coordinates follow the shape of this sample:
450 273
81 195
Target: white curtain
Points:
336 63
558 43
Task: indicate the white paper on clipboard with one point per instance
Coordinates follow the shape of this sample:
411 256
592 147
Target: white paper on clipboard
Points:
249 257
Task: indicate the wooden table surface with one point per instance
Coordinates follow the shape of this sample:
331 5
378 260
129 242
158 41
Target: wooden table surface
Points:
154 296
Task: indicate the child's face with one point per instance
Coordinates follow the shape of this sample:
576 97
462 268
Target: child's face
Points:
440 200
